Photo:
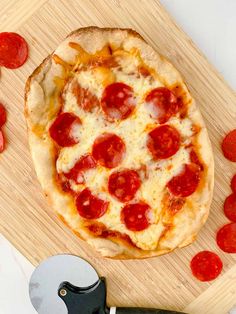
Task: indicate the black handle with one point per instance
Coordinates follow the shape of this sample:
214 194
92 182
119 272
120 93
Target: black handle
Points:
140 310
88 300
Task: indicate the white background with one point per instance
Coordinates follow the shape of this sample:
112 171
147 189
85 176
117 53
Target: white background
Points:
212 26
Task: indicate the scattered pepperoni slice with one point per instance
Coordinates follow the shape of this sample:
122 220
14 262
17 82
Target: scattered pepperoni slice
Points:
3 115
229 146
230 207
124 184
118 101
233 184
226 238
109 150
135 216
85 163
162 104
2 141
163 142
186 182
85 99
90 206
61 130
13 50
206 266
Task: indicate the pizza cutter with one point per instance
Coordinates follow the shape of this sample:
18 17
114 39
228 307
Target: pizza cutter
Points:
67 284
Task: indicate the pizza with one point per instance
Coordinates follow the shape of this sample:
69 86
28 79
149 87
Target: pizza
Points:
119 145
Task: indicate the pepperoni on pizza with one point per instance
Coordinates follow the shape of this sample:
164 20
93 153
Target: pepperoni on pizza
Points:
119 145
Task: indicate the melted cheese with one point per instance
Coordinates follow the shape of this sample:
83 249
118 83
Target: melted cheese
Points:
133 131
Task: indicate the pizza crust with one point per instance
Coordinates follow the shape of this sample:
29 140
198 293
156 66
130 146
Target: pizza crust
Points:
40 86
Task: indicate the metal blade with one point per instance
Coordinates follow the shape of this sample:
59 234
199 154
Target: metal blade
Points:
47 277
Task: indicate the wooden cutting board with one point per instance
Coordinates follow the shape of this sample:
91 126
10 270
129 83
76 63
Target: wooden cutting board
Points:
25 217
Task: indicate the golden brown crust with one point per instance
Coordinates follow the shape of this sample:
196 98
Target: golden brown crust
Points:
105 29
28 82
110 247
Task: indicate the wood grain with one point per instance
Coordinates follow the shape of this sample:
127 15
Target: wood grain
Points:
25 218
14 13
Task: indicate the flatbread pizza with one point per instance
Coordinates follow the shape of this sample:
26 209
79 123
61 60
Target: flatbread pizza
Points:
119 145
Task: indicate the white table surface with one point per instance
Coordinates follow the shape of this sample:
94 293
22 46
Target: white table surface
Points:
212 26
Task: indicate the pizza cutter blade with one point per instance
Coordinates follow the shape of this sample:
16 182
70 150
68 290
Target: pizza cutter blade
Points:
67 284
51 273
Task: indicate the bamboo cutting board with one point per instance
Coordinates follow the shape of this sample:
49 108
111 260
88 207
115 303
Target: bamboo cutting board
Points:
25 217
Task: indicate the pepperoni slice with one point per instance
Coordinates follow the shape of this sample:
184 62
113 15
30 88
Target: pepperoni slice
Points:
233 184
3 115
83 164
206 266
13 50
163 142
90 206
108 150
162 104
124 184
226 238
118 101
85 99
186 182
230 207
61 131
2 141
135 216
65 185
194 158
229 146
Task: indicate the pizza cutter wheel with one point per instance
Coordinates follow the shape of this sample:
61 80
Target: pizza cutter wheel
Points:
67 284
